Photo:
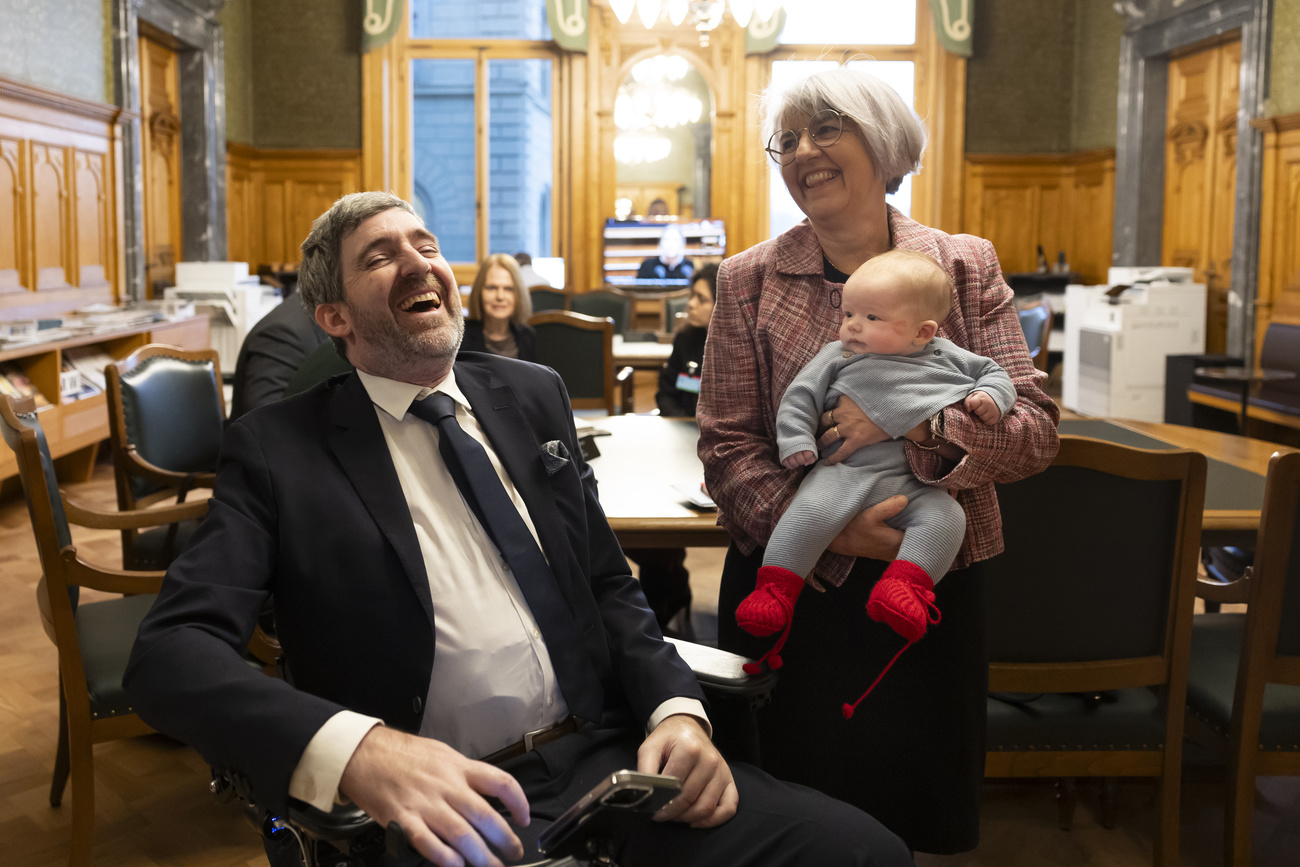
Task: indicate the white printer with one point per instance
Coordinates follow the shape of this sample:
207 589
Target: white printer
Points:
1118 335
233 300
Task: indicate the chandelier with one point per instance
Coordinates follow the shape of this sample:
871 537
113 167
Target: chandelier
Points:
650 101
704 15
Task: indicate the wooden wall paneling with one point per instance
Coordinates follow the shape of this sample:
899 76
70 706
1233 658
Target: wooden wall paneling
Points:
1063 202
1279 256
93 216
49 216
14 276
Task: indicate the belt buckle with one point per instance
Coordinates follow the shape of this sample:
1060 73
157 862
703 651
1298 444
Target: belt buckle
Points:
530 736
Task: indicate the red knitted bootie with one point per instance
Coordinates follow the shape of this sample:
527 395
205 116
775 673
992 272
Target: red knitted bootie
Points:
903 599
768 609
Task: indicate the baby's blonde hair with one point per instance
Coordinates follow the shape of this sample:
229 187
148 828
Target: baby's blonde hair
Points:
929 288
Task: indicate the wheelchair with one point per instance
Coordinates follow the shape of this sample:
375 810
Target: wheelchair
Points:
346 837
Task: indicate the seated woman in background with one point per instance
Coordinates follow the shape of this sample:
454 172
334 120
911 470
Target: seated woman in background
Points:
499 307
671 262
679 378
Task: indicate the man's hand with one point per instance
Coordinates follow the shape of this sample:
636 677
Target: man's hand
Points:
849 423
981 405
437 795
800 459
867 535
681 748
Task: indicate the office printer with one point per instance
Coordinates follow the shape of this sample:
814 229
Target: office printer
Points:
233 300
1118 335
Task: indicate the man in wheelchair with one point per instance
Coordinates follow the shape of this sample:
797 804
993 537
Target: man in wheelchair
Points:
459 626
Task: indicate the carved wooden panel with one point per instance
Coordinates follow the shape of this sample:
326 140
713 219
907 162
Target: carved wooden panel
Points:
13 218
161 147
92 219
49 209
1279 253
1200 175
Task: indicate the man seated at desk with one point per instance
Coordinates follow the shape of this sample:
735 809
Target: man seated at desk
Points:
670 262
444 581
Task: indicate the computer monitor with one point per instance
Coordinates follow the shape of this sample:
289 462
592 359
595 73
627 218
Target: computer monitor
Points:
551 268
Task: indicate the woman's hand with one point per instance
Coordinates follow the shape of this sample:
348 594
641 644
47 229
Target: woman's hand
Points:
867 535
847 422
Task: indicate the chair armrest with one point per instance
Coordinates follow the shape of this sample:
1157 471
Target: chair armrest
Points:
138 466
133 520
626 378
265 649
1217 591
108 580
722 671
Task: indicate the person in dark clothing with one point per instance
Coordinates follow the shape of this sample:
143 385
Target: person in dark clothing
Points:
679 378
670 263
272 353
499 309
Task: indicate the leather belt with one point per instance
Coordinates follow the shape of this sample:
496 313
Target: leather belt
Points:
533 740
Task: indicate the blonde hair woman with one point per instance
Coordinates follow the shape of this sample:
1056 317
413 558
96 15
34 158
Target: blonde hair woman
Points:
498 311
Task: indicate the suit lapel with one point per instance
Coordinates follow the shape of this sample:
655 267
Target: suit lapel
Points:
358 442
517 446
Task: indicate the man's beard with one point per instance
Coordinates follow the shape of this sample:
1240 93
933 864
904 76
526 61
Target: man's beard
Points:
394 351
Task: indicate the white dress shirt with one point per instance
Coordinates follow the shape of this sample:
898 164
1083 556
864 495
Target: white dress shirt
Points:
489 650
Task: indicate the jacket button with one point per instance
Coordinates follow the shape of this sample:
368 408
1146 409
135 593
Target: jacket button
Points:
416 704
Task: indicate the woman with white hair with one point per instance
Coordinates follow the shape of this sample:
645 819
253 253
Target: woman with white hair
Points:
913 755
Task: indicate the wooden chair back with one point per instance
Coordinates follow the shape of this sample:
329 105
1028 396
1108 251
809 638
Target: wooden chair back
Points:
94 638
605 303
1245 681
166 419
1036 323
1090 616
581 349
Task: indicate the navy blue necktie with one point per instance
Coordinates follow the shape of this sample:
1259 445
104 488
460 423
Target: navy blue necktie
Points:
472 470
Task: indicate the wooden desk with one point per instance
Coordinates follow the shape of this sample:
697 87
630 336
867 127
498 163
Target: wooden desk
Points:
640 462
1234 485
641 355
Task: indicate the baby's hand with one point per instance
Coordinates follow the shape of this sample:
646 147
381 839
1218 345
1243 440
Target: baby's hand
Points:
799 459
983 407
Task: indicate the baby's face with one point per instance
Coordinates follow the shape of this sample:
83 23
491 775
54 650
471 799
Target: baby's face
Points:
876 317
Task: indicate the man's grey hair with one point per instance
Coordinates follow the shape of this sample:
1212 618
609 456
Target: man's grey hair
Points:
891 131
320 276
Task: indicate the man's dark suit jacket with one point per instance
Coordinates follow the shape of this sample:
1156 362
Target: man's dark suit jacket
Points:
475 341
308 506
271 353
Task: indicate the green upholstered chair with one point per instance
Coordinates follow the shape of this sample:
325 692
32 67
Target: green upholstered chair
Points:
1090 618
1036 323
605 303
674 303
544 299
166 418
581 349
94 639
1244 685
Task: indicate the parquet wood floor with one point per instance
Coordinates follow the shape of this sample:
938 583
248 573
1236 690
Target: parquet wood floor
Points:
153 809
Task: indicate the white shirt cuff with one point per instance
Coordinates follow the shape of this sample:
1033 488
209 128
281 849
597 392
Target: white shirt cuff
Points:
316 778
681 704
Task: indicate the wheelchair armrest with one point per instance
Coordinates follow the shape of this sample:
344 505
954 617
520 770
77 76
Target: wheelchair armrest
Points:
720 671
344 822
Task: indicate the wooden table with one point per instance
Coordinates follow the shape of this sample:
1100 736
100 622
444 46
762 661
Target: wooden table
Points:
646 457
640 463
1242 378
1234 485
640 355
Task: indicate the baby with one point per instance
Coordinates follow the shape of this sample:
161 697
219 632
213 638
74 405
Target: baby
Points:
889 362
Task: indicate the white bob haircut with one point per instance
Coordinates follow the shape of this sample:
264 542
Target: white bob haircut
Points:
891 132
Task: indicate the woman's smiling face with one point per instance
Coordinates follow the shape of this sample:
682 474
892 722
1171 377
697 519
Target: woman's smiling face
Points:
829 184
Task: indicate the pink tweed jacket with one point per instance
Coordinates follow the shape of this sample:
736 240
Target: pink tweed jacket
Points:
775 310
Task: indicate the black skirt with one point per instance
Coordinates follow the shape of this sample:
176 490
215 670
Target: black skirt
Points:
913 754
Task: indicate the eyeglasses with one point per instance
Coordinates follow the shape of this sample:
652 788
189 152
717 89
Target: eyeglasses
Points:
823 130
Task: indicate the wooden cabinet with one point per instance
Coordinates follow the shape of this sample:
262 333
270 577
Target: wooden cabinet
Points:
75 428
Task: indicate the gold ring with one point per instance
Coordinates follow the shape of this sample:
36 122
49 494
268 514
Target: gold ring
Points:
838 435
831 416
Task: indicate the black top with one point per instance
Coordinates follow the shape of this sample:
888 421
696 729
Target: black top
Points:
271 353
655 269
686 360
525 339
